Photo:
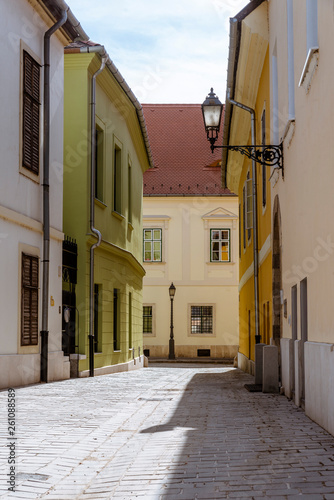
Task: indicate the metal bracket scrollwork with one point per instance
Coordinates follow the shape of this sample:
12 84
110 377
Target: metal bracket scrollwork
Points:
271 156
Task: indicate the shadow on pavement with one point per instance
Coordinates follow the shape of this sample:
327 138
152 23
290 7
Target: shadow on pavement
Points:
236 444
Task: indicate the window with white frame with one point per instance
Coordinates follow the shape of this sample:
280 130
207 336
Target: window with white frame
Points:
220 241
201 319
152 245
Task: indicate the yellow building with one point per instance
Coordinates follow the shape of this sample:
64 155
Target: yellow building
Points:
105 155
247 122
190 238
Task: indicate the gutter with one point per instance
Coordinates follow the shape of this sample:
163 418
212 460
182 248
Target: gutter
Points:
99 49
46 198
72 27
92 216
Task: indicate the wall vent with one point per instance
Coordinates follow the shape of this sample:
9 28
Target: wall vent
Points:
203 353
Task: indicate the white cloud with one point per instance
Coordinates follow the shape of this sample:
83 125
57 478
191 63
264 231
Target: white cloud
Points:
172 51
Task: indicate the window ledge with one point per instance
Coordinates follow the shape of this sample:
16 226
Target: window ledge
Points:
29 174
219 262
100 203
118 216
201 335
118 351
98 352
310 66
130 226
288 132
154 262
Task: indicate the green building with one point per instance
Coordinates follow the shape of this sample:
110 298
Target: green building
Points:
106 152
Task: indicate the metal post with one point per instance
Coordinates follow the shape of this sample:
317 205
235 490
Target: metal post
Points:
171 340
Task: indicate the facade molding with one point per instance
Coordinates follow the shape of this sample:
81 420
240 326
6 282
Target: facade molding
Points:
28 223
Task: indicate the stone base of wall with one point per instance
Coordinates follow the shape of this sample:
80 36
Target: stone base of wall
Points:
245 364
24 369
134 364
190 351
319 378
319 383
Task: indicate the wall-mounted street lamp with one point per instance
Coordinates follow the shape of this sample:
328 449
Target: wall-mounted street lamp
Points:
171 354
212 110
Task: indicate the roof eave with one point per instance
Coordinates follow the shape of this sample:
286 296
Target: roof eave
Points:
233 57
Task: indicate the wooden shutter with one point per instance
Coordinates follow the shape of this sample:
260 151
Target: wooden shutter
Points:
29 305
31 104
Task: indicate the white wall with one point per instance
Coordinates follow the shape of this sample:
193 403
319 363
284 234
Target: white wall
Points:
21 213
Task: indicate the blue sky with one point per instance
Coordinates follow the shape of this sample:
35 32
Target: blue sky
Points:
168 52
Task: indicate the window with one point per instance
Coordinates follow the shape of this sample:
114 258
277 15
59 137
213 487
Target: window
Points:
116 322
147 320
29 300
117 206
97 317
99 163
152 245
264 171
30 113
201 319
129 194
220 245
244 215
130 321
249 206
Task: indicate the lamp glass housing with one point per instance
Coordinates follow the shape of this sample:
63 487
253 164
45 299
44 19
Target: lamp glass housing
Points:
212 110
172 291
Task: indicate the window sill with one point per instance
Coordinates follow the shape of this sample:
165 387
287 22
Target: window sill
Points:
118 216
98 352
130 226
30 175
100 203
201 335
153 262
118 351
220 262
310 66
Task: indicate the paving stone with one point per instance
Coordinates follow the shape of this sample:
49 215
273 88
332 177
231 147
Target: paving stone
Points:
165 432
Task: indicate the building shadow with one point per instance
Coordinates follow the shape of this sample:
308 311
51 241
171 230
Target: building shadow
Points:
225 442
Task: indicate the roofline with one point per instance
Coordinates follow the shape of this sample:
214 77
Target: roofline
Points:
233 59
181 195
72 27
101 51
176 105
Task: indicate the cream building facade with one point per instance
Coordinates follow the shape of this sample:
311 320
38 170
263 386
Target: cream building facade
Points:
190 238
23 25
301 38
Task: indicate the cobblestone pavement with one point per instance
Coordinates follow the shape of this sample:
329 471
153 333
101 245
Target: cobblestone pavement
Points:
173 431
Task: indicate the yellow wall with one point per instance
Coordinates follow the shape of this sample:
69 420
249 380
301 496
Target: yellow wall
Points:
246 264
118 259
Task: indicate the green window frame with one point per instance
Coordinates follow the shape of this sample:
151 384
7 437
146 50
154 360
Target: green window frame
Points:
201 320
152 240
220 245
148 320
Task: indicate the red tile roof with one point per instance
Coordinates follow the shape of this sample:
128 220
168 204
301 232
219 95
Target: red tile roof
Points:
184 164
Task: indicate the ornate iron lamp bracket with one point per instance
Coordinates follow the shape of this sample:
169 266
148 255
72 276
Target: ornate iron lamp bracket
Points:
272 156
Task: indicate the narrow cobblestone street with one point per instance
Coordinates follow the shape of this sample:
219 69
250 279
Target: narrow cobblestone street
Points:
168 431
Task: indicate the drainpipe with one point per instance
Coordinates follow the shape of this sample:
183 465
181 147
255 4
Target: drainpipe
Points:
92 216
255 231
46 198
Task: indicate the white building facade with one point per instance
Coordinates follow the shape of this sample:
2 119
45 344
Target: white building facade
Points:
23 25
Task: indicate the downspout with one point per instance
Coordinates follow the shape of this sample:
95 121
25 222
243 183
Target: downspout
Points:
46 198
92 216
255 230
